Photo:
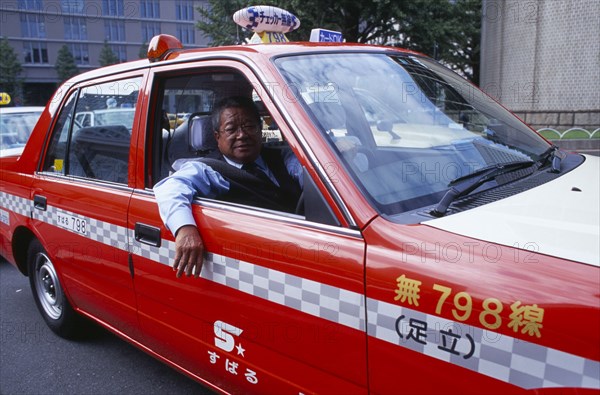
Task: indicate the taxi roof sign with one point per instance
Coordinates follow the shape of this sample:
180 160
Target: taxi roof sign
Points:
325 36
268 37
266 18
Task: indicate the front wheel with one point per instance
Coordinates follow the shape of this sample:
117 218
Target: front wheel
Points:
48 293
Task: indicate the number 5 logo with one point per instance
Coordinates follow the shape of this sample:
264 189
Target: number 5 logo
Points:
224 333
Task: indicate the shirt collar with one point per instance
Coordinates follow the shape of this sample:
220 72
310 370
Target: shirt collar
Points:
259 162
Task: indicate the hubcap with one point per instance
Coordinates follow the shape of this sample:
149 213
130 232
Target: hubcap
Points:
47 286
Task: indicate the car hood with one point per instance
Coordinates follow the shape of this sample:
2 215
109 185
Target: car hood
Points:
11 152
560 218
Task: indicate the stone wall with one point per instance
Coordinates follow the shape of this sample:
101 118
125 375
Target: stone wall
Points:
561 120
541 59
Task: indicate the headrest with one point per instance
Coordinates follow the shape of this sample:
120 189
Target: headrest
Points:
192 138
201 133
330 115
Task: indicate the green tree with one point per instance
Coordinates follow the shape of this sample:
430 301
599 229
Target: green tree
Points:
10 69
65 64
358 21
447 31
217 22
444 29
143 52
464 55
107 56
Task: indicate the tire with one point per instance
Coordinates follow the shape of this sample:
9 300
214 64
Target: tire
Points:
49 295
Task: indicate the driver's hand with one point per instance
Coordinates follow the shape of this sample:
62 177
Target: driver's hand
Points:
189 250
349 148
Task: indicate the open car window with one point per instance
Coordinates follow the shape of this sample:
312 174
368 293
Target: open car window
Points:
186 130
185 133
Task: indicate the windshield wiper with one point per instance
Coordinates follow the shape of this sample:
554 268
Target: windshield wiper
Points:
556 155
468 183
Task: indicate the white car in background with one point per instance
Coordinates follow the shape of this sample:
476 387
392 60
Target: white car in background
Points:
16 124
111 116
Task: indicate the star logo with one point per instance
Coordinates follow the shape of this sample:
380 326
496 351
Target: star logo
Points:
240 350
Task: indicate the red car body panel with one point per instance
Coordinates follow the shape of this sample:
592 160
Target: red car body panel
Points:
415 305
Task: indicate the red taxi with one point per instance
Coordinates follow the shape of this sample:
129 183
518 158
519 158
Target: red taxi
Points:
440 245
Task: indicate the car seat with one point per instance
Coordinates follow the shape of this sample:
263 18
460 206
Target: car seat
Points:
192 139
101 152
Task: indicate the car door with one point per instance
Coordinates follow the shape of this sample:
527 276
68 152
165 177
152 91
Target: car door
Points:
81 196
279 306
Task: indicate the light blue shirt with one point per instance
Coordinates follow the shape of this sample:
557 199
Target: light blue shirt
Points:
175 193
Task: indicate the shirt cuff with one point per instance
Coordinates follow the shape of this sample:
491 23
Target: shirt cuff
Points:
178 219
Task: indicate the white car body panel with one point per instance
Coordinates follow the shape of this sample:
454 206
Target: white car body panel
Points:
560 218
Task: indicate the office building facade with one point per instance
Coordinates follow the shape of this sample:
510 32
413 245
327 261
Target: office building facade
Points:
37 29
541 59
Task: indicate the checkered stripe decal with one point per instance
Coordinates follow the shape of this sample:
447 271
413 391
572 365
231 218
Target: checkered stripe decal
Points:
320 300
518 362
311 297
164 254
15 204
527 365
102 232
112 235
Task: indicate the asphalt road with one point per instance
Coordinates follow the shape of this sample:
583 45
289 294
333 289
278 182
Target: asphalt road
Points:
33 360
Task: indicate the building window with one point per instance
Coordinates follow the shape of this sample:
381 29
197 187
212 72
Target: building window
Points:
75 28
81 54
33 26
35 52
114 30
150 9
184 10
112 7
149 30
72 6
120 51
30 5
186 34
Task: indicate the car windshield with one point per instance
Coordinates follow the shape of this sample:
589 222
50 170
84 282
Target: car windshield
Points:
405 126
15 128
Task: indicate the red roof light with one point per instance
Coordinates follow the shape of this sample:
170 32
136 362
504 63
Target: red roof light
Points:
161 46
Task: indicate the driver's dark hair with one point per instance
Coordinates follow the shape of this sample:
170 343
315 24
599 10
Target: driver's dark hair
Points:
234 102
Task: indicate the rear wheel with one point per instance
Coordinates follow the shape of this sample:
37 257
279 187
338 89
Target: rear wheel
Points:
48 293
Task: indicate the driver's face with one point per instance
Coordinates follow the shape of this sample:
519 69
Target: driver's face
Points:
239 136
